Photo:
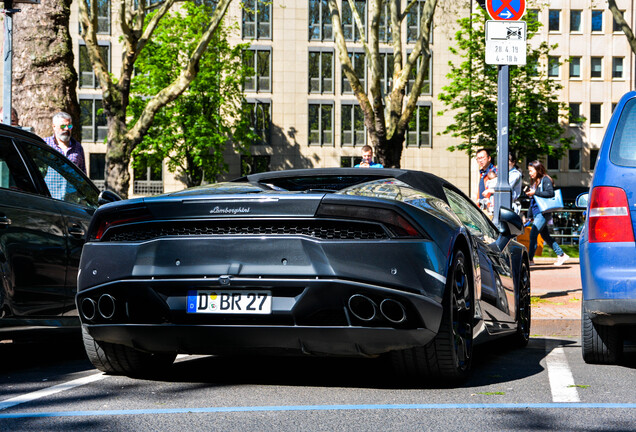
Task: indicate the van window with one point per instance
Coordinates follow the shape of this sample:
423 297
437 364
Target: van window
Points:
623 150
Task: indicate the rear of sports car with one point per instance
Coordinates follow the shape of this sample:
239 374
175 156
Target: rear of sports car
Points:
299 273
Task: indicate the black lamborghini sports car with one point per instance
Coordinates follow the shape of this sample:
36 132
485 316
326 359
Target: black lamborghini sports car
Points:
326 262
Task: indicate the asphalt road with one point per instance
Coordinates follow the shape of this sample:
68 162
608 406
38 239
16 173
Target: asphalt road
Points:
545 386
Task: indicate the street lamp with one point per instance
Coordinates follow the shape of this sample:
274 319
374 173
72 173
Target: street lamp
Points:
8 12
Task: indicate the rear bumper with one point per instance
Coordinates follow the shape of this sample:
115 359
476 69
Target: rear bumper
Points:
204 339
611 311
608 271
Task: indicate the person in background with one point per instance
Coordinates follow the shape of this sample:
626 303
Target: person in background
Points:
515 180
541 185
14 117
367 159
488 200
485 166
63 142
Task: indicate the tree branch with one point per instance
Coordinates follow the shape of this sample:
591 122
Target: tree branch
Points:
620 19
88 19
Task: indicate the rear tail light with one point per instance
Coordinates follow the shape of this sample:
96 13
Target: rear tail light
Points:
398 225
609 216
107 220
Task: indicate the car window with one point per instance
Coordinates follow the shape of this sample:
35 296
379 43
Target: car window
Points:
62 178
13 173
472 218
623 150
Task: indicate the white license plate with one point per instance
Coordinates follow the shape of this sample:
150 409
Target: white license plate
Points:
230 302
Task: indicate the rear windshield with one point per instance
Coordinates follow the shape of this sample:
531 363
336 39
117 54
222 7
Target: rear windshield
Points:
623 150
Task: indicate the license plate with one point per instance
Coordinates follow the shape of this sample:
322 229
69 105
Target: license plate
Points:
230 302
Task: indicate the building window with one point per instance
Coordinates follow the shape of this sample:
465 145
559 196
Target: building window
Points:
575 67
575 113
532 14
92 119
616 27
426 83
617 67
358 60
595 113
349 161
320 27
553 163
257 19
148 176
413 22
349 26
574 160
596 67
253 164
386 81
593 158
384 32
260 113
97 168
258 61
353 131
575 21
552 113
553 66
554 20
613 106
87 78
419 129
597 20
320 124
321 71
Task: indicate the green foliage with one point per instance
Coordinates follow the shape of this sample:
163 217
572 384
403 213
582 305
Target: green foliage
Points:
193 132
535 111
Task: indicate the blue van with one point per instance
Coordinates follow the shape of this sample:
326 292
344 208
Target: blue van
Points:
607 248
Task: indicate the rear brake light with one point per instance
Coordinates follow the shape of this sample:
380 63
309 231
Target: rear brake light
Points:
609 216
397 224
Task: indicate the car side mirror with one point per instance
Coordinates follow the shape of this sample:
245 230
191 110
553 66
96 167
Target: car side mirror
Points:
510 225
582 200
107 196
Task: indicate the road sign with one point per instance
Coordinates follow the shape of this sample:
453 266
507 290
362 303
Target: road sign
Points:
505 42
506 10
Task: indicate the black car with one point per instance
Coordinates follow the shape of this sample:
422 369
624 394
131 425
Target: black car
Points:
327 262
41 237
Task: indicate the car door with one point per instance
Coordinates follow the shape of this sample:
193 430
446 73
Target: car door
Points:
75 198
497 284
33 245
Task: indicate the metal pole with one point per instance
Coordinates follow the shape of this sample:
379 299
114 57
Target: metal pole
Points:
502 188
8 62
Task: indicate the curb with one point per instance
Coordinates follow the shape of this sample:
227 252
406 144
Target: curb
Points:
555 327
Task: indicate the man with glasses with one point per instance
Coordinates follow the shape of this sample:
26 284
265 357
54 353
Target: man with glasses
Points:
63 142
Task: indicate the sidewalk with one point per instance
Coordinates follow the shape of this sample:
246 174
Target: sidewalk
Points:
556 298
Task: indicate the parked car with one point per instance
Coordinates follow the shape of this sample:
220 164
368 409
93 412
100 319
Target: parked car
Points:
41 237
607 248
337 262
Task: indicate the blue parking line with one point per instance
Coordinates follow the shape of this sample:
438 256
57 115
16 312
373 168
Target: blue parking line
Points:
208 410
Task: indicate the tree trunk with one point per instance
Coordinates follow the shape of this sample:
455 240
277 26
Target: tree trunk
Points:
44 77
118 156
389 151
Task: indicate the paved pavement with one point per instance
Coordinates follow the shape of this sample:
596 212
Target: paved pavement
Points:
556 298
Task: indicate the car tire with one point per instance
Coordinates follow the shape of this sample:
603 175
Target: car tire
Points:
447 359
523 318
600 344
115 359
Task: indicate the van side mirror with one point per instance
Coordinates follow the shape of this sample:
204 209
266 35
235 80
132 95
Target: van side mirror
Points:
582 200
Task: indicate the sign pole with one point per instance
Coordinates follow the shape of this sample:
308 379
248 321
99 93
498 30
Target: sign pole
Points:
502 188
8 62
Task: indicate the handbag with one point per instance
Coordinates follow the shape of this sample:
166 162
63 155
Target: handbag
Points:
547 205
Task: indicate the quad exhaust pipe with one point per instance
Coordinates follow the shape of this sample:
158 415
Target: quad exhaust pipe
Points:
365 309
105 306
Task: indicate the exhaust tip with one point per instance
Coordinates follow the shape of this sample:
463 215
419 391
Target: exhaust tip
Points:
106 306
88 307
393 311
362 307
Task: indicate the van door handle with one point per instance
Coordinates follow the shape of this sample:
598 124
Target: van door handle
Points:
76 230
5 220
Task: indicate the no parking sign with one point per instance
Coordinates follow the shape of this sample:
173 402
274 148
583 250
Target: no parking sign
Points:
506 10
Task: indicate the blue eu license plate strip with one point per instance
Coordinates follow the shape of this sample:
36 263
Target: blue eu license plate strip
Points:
229 302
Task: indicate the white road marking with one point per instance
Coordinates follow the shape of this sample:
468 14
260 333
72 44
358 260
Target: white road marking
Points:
50 390
560 375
